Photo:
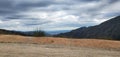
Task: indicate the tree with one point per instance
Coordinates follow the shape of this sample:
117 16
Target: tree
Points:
39 33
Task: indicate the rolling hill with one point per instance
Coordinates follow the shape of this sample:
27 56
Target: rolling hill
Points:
22 33
8 32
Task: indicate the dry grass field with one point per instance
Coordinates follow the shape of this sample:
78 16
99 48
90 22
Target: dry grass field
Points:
35 50
20 46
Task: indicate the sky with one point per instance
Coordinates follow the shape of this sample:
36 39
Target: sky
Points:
53 15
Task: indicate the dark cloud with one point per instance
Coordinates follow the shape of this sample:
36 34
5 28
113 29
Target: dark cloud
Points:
6 7
15 17
112 1
5 4
3 12
88 0
34 23
21 12
37 4
11 7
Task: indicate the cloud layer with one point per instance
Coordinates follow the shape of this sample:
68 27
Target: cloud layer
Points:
28 15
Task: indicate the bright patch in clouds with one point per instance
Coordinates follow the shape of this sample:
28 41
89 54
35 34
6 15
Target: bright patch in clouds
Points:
27 15
1 21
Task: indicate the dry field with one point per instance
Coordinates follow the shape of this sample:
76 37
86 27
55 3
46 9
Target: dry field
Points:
19 46
35 50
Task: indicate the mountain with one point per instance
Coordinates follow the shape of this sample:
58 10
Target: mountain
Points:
3 31
28 33
56 32
107 30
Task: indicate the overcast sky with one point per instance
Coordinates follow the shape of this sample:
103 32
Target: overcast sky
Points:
26 15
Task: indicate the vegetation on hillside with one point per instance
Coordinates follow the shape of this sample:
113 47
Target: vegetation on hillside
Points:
39 33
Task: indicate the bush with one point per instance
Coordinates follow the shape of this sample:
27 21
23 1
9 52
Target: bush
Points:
39 33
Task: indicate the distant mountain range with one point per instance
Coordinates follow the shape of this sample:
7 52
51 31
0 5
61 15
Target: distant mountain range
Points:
57 32
3 31
107 30
23 33
30 33
8 32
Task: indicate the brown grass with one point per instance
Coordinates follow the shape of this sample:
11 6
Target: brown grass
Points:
33 50
62 41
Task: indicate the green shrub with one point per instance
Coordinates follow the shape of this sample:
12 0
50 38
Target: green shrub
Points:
39 33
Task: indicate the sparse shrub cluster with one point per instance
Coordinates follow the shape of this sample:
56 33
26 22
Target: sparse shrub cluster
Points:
39 33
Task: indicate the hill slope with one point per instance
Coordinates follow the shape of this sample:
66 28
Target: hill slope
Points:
8 32
29 33
107 30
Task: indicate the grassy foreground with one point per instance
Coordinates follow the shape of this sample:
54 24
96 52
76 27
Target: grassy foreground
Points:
20 46
94 43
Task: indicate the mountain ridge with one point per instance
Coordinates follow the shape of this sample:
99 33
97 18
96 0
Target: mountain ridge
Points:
109 29
10 32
